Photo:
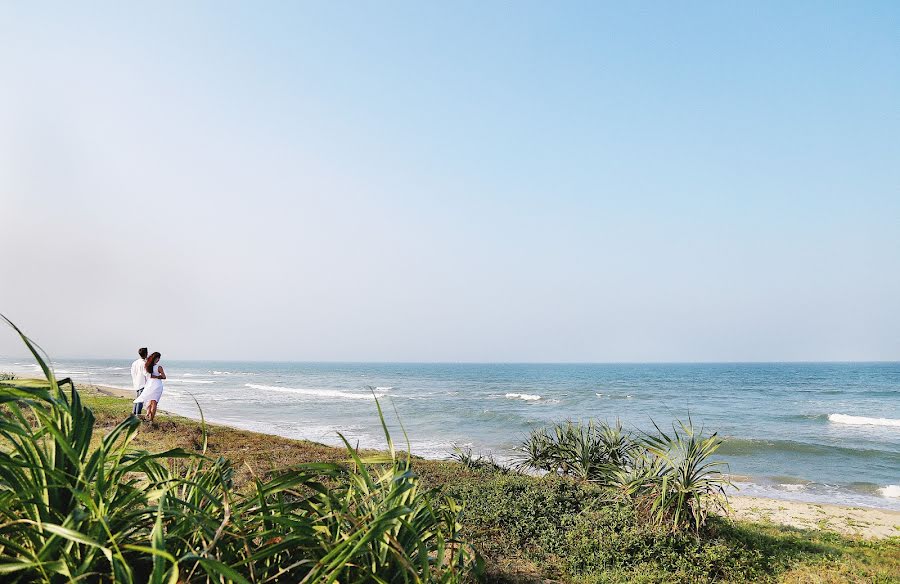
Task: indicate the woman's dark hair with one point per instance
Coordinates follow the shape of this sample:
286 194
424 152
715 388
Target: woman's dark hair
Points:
151 361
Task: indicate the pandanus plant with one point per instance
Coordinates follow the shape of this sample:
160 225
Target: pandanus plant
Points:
671 478
685 480
588 451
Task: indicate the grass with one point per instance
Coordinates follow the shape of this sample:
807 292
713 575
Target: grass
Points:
531 529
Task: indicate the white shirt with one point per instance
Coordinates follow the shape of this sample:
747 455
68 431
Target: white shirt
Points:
138 374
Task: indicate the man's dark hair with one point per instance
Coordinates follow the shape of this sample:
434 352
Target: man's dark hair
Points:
142 352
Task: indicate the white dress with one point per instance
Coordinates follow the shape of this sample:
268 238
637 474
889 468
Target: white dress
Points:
153 390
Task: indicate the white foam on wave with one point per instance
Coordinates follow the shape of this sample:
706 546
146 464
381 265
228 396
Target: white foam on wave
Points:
524 396
388 388
792 487
890 491
336 393
189 381
221 372
863 421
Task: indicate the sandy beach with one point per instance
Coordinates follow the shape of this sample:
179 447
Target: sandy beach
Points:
856 521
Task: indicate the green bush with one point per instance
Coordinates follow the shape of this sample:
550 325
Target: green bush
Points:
578 530
615 540
591 451
676 481
669 478
477 462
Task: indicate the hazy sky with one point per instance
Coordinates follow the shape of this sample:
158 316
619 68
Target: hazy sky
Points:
456 181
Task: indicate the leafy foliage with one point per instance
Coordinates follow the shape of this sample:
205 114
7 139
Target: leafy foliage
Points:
69 512
676 481
473 461
669 477
592 451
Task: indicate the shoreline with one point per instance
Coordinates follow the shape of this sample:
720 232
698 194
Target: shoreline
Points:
866 522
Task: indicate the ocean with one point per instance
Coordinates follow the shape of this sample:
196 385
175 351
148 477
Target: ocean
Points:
819 432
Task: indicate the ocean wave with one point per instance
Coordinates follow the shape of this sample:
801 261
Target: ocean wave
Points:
317 392
750 447
388 388
523 396
189 381
820 417
890 491
863 421
222 373
848 495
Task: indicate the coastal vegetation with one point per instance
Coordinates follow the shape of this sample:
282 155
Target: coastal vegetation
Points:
668 478
90 494
73 508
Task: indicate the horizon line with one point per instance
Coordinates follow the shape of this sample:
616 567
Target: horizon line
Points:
381 362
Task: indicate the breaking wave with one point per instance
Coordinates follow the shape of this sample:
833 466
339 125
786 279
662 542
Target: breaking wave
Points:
890 491
863 421
524 396
334 393
191 381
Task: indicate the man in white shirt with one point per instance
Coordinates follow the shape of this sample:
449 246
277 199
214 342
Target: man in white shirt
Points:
139 378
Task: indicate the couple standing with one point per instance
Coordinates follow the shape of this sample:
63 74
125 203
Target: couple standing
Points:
147 378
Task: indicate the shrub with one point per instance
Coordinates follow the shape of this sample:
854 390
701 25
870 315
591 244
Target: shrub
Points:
592 451
676 481
579 531
669 478
468 459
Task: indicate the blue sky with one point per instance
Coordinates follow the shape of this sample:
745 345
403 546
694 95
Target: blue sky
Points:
456 182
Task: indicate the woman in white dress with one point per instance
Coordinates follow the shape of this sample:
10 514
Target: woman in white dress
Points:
154 388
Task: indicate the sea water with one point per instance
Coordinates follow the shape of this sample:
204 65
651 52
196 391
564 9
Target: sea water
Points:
823 432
